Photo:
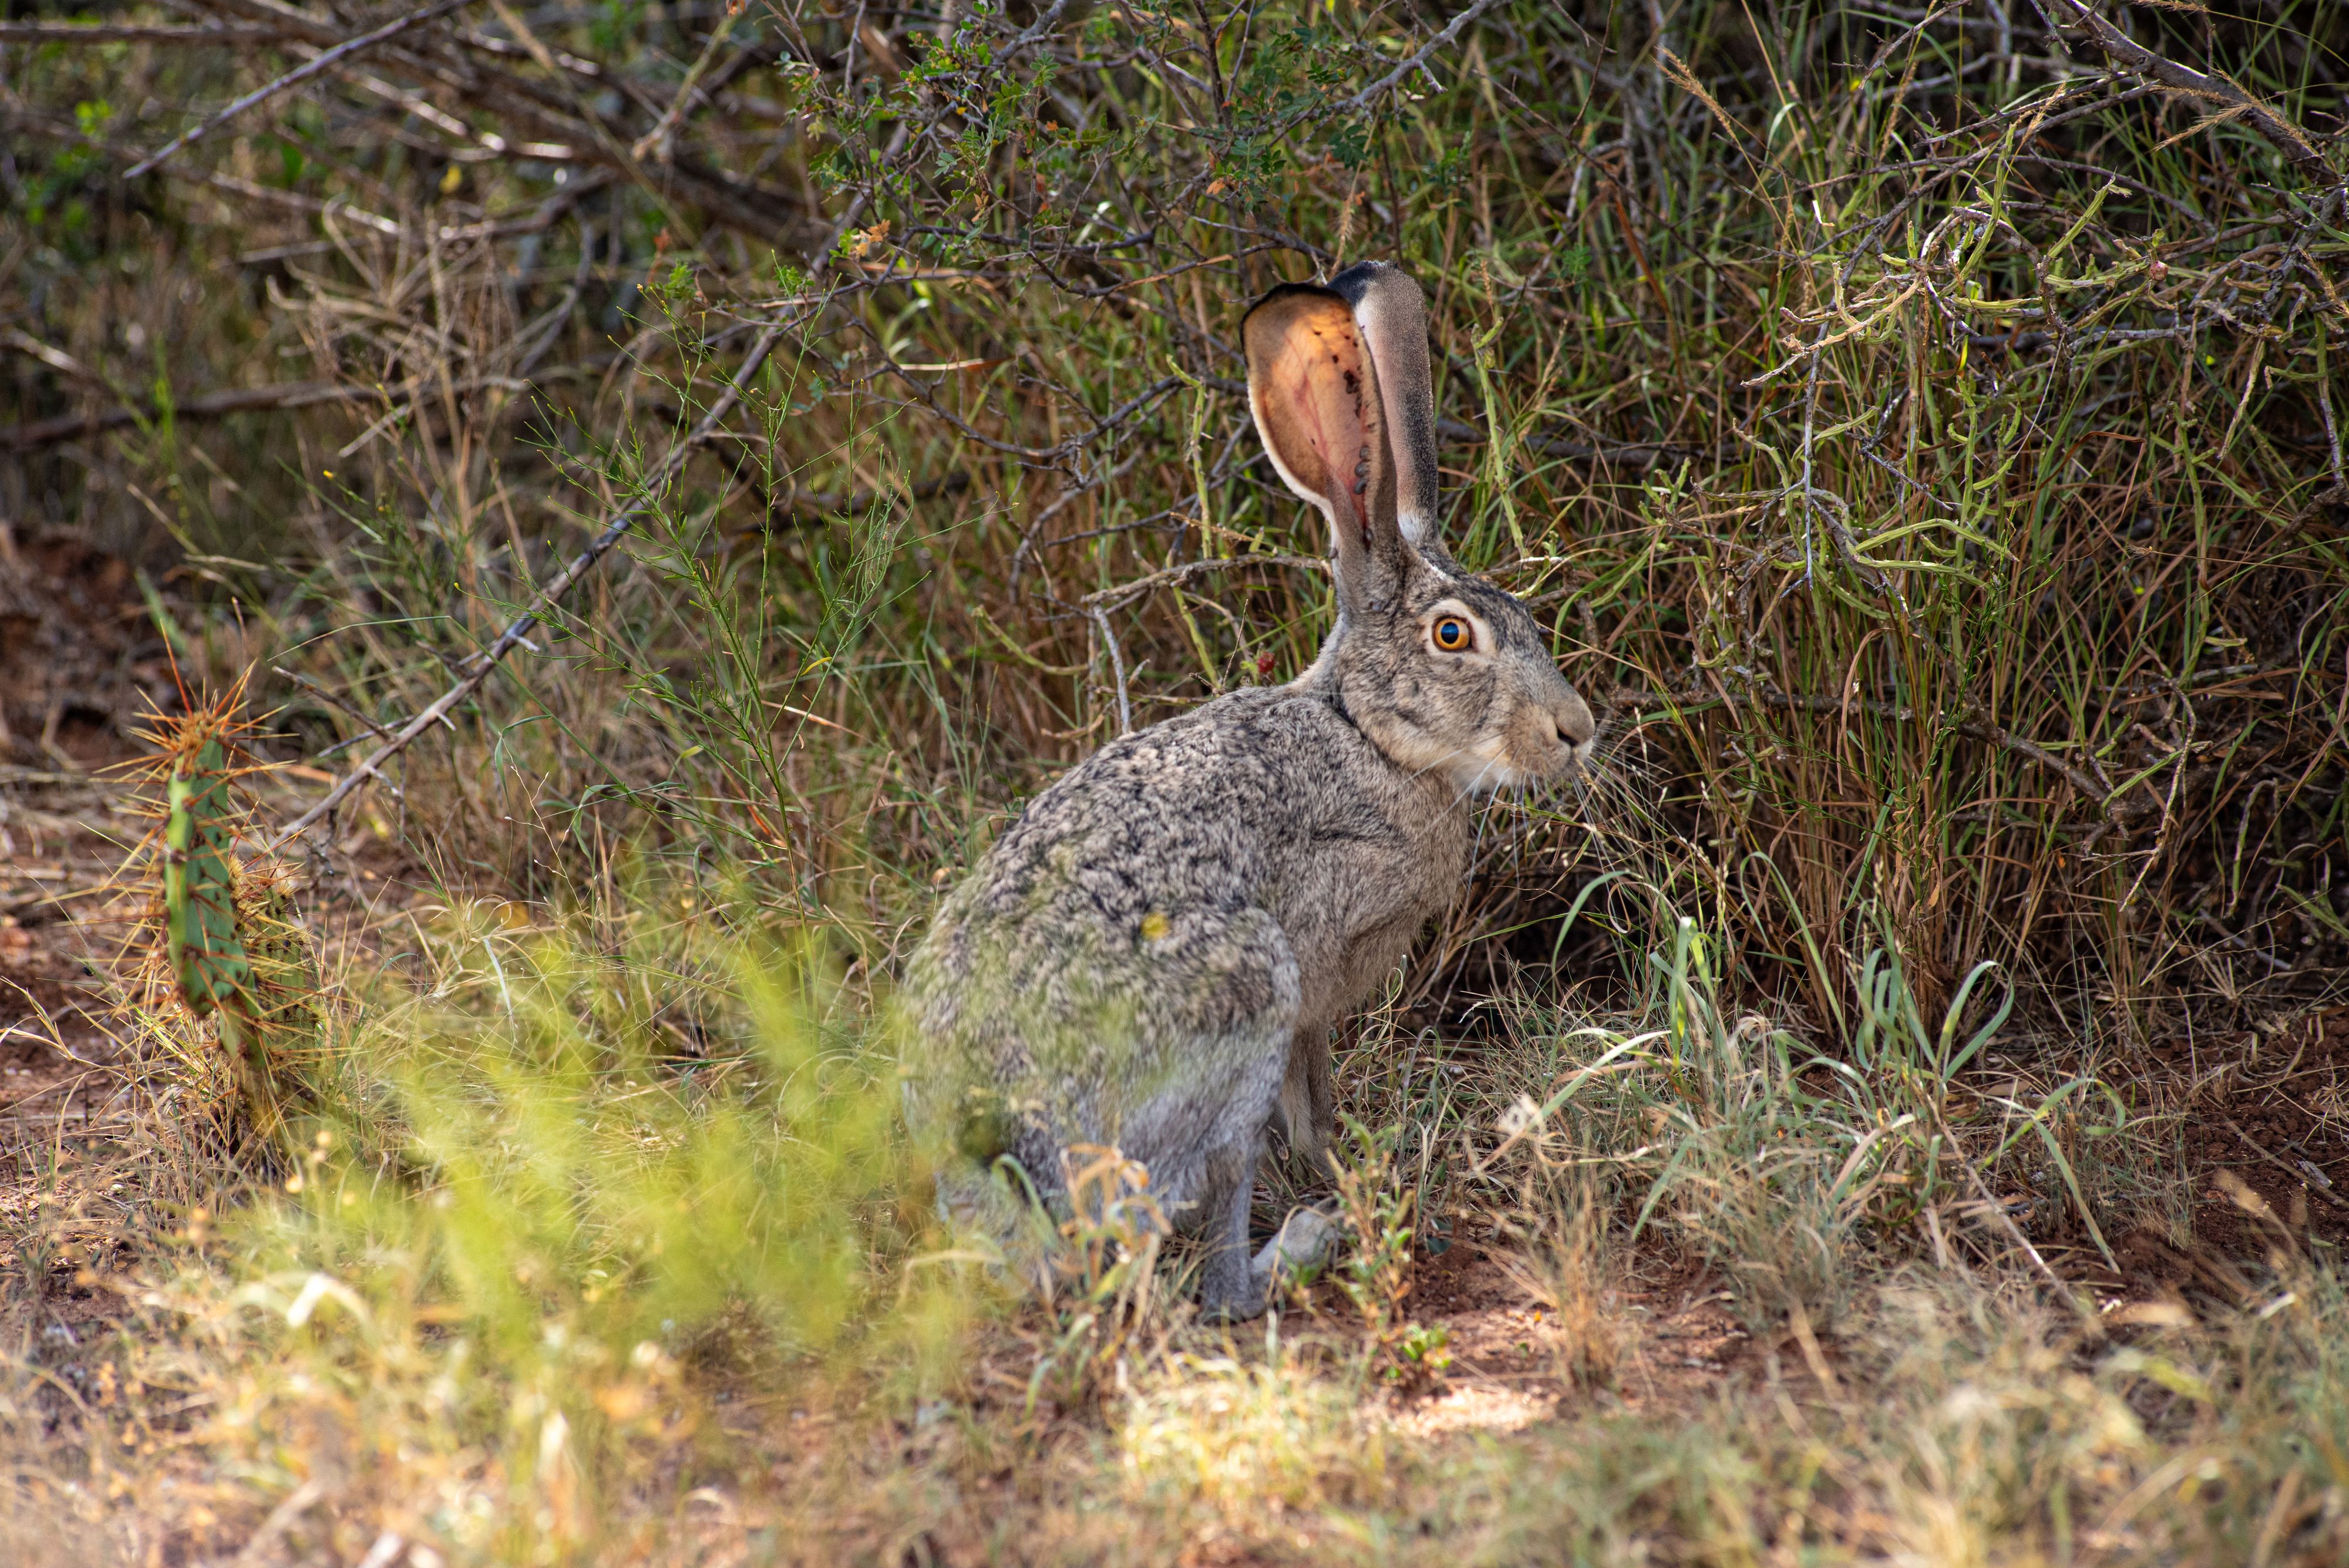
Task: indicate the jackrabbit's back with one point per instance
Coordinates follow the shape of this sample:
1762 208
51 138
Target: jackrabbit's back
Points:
1205 876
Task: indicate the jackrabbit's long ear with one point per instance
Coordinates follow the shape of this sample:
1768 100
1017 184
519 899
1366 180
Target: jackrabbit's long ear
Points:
1391 315
1314 390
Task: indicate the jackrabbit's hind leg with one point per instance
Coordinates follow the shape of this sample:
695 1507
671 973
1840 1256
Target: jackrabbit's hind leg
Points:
990 1211
1309 1101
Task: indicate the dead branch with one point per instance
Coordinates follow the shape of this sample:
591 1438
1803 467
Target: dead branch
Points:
2210 86
231 400
1972 726
1443 40
294 79
1119 595
547 112
801 509
210 406
117 33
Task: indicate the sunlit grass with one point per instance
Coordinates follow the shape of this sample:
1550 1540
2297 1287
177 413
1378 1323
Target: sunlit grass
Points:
531 1247
547 1288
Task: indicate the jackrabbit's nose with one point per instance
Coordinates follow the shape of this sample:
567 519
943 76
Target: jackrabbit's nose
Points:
1572 719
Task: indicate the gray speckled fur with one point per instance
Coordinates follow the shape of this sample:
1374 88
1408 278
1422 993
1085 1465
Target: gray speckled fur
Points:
1150 956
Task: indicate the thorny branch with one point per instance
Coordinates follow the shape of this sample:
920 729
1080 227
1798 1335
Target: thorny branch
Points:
517 633
319 65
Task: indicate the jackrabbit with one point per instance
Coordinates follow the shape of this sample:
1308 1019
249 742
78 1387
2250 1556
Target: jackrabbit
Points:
1152 955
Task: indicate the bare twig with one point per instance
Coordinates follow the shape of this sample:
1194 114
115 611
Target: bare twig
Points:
2260 1150
1189 569
798 509
1623 454
2339 490
295 78
1117 668
1990 1205
515 635
217 405
654 143
1443 40
2211 85
116 33
1972 727
303 1497
210 406
318 690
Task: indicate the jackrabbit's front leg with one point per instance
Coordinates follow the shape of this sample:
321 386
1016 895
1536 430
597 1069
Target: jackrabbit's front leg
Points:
1229 1291
1237 1286
1305 1240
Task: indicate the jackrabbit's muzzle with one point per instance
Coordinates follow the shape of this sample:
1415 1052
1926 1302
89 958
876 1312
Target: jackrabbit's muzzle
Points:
1552 732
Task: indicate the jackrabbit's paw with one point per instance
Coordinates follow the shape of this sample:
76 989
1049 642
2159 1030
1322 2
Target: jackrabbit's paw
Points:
1233 1301
1306 1240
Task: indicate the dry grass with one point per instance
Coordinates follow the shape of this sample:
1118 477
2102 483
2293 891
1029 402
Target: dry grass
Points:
1921 434
552 1292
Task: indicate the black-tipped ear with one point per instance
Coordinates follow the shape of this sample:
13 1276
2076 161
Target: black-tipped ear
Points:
1314 390
1390 314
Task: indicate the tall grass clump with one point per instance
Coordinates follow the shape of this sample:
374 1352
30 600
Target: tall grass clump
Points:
1787 1167
1958 1415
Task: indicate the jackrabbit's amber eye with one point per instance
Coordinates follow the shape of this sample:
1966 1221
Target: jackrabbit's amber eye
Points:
1453 634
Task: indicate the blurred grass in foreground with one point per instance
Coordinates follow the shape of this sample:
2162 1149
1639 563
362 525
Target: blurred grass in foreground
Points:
532 1251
